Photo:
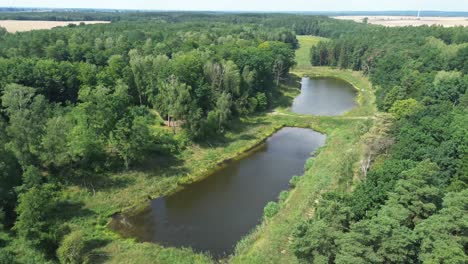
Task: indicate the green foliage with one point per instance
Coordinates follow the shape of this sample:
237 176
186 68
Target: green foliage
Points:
379 182
315 239
34 210
270 210
404 108
7 257
3 235
262 102
54 142
315 243
443 235
32 177
449 86
132 137
395 94
283 196
27 113
72 248
77 101
10 173
309 163
416 71
294 181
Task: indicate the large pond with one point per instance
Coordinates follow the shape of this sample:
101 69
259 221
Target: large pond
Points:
324 96
212 215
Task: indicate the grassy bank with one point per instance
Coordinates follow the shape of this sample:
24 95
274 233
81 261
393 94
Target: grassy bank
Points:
333 167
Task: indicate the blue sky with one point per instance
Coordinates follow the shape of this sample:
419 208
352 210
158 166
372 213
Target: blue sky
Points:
250 5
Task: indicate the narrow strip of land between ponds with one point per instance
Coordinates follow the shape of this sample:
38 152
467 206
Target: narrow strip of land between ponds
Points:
276 112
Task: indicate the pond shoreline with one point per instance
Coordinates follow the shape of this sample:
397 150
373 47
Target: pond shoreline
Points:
191 179
194 178
324 125
182 219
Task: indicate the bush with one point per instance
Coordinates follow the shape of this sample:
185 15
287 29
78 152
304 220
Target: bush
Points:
283 196
405 108
294 181
6 257
309 163
270 210
262 101
71 249
252 104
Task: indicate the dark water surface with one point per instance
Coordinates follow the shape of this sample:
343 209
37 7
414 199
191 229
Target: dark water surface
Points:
324 96
212 215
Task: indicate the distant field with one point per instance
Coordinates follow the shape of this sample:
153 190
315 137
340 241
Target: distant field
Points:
303 53
401 21
27 25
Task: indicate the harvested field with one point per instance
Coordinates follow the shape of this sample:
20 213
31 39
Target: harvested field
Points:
13 26
401 21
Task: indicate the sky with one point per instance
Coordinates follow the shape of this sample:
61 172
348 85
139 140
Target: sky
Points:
249 5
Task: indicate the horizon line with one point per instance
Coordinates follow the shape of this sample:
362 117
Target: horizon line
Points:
240 10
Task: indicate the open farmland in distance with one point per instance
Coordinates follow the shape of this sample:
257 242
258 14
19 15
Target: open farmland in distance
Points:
13 26
401 21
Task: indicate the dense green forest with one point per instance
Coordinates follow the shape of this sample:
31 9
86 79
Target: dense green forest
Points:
412 205
80 101
83 100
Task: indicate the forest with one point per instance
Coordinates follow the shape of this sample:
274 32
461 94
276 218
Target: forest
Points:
80 102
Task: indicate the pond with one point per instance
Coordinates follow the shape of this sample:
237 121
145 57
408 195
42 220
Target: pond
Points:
214 214
325 97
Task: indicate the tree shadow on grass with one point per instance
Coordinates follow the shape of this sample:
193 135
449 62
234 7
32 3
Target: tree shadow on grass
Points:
237 127
67 210
161 165
95 255
102 181
285 97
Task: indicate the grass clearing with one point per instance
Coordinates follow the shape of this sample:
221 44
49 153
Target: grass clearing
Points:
303 53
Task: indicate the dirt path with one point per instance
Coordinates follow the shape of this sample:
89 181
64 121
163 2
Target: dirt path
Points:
275 112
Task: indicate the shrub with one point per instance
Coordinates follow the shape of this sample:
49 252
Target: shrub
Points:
262 101
309 164
283 196
270 210
294 181
6 257
405 108
71 249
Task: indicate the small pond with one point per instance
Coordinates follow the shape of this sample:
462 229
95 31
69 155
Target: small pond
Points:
324 96
214 214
